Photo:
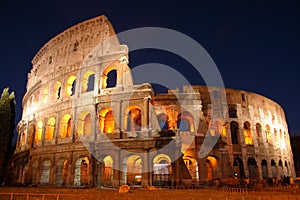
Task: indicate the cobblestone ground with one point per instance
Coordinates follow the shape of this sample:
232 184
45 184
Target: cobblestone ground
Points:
41 193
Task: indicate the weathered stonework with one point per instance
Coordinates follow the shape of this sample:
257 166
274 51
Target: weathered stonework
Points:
75 121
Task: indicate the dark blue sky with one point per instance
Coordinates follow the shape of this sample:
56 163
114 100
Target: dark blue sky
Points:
256 45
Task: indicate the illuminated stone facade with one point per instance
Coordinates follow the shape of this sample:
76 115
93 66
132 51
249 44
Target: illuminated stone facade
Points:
81 108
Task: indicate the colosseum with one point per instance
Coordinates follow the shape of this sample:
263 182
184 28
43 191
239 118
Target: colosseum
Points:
85 123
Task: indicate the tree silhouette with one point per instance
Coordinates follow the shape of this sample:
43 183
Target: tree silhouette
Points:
7 125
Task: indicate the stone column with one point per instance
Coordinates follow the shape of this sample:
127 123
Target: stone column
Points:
145 170
71 169
145 118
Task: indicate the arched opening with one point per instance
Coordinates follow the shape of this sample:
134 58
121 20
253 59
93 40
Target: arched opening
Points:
132 170
247 134
84 123
185 122
57 89
88 81
274 170
45 175
38 131
232 112
268 134
264 166
34 172
258 130
211 168
109 78
192 166
50 127
62 171
45 94
219 128
286 168
133 119
162 170
107 173
65 126
81 171
106 121
252 167
71 85
238 168
280 168
234 129
163 121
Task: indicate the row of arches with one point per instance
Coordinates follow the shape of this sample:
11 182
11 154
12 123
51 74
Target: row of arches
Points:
57 90
280 139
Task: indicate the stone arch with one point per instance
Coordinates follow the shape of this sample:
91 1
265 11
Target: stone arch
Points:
280 167
88 81
81 171
71 85
132 170
45 172
107 171
274 168
258 130
34 172
268 134
234 129
84 124
192 166
162 170
38 131
57 89
106 121
109 77
211 163
247 133
252 167
45 93
238 168
133 118
50 128
185 122
65 126
62 171
163 121
286 167
219 128
264 168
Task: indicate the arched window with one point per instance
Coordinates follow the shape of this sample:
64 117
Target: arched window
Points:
45 94
71 85
258 130
132 170
45 175
50 127
81 171
247 134
264 166
88 81
220 127
252 167
163 121
232 112
65 126
162 170
274 170
238 168
38 132
211 167
185 122
57 88
62 171
268 134
107 172
234 129
109 77
84 123
192 166
134 119
109 122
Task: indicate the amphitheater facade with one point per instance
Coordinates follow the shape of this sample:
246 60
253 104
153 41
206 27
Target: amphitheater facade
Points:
85 122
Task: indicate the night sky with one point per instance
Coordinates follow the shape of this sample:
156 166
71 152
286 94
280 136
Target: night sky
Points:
255 45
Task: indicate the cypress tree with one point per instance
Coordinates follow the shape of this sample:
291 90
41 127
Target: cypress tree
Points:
7 125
